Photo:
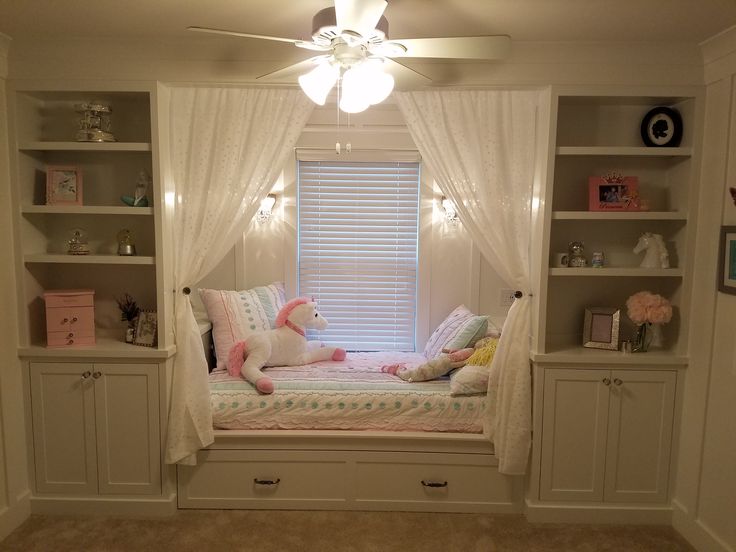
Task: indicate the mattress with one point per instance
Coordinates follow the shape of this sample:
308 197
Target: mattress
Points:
353 394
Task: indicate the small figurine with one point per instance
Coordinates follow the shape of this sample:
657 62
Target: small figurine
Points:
77 244
141 187
656 255
576 257
126 246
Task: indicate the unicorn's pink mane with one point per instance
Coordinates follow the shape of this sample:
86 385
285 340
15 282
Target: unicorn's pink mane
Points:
285 311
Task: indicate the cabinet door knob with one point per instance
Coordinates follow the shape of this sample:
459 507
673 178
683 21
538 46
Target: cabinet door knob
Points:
606 381
65 321
74 319
96 375
70 342
617 381
86 374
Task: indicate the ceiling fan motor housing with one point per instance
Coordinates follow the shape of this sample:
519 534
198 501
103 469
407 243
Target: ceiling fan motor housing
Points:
325 29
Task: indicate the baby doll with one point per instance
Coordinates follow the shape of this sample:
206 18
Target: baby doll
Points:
448 361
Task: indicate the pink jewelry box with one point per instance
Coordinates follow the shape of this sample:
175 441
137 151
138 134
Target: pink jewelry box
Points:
70 317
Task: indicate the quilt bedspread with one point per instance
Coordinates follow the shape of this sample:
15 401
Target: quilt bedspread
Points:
353 394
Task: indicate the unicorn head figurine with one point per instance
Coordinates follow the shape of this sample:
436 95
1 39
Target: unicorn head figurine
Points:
286 345
656 255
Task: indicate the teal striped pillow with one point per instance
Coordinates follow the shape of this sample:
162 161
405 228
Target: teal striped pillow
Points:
468 333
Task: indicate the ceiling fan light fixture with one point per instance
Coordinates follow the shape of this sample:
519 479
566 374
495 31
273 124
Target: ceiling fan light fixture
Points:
365 84
355 95
378 84
319 81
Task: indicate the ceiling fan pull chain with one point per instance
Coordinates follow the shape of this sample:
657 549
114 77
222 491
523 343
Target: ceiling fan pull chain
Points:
337 110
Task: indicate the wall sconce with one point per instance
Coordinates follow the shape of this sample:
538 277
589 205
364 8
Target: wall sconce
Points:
264 212
450 212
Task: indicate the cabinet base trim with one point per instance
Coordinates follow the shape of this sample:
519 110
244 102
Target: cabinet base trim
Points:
11 517
555 512
695 531
137 507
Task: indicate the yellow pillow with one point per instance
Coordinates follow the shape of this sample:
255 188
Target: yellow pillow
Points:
484 355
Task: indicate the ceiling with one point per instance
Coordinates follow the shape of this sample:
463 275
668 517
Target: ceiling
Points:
690 21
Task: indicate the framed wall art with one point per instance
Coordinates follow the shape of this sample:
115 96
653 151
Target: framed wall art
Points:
601 327
63 185
727 260
662 127
146 329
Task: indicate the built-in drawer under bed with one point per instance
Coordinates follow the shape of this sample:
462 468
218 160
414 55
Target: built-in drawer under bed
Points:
353 394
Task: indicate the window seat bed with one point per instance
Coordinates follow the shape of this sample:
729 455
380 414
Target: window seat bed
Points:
353 394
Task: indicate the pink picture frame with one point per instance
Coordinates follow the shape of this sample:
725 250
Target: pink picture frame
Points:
619 194
63 185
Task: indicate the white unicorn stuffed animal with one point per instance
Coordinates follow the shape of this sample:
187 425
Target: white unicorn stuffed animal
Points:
286 345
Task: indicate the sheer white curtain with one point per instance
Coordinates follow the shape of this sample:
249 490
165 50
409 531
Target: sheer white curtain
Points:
228 146
480 147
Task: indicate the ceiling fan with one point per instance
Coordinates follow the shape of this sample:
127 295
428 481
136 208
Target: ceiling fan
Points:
357 53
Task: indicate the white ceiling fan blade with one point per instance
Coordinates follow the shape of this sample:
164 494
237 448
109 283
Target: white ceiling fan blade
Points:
359 15
293 70
245 35
405 77
461 47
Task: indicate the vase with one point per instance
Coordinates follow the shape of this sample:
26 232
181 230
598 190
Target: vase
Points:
129 334
647 336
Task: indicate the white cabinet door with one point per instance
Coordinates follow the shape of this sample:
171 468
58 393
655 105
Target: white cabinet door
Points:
127 415
575 418
62 400
639 435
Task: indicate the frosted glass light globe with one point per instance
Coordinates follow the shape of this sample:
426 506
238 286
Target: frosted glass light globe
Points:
319 81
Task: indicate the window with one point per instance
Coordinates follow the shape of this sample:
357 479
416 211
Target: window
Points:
358 228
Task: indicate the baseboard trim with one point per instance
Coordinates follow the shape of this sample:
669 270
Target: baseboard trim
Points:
538 512
96 505
696 532
11 517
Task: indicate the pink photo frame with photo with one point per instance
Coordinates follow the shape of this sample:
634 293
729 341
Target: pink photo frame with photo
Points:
613 193
63 185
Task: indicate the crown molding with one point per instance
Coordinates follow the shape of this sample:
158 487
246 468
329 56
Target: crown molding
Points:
719 55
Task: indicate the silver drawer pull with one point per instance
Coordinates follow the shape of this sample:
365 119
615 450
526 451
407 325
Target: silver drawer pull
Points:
434 484
606 381
96 375
617 381
266 481
86 374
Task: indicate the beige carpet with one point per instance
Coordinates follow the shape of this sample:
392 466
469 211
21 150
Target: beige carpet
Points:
266 531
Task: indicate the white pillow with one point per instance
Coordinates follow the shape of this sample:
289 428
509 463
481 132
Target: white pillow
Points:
470 380
460 329
237 314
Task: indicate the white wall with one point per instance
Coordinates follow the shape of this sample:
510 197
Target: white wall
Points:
705 495
14 493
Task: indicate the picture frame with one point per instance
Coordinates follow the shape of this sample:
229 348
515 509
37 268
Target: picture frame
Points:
727 260
146 329
63 185
662 127
601 328
613 194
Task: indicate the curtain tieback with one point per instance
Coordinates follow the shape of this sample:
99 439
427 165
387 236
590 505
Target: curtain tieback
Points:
519 294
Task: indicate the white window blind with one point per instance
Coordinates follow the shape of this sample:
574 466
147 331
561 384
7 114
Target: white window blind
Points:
358 228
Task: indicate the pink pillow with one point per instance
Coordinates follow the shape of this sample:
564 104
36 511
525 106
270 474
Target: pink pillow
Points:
237 314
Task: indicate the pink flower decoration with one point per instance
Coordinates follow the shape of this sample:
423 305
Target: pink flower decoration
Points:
646 307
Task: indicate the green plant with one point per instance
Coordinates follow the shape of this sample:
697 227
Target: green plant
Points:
129 309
